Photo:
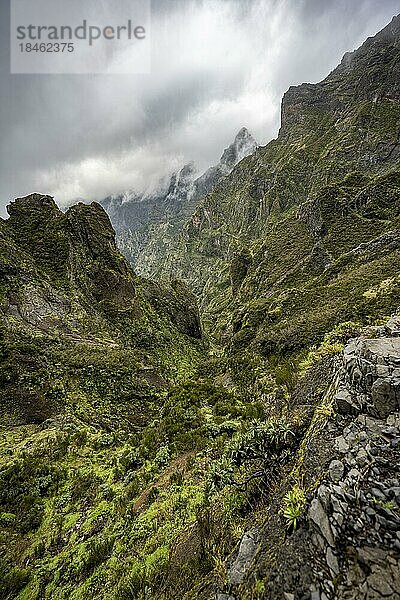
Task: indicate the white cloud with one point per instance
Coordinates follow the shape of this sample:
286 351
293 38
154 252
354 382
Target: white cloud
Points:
218 65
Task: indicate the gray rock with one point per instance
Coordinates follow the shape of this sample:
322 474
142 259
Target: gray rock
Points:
319 517
393 420
247 550
387 524
378 494
378 582
318 541
338 517
350 497
395 571
345 402
336 470
352 439
337 505
394 493
390 431
341 445
354 475
332 562
340 491
383 371
393 326
385 394
325 496
362 457
372 425
389 515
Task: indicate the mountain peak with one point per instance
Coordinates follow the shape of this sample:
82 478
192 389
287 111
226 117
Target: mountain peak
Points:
39 205
243 145
392 29
369 73
243 132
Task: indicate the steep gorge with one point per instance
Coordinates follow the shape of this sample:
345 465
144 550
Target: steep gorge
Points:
142 458
148 223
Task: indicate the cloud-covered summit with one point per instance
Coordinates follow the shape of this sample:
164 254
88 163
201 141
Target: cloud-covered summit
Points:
217 65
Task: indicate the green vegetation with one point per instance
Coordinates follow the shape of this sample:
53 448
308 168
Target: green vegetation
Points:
293 506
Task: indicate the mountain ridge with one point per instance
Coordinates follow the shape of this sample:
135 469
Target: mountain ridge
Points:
145 222
326 151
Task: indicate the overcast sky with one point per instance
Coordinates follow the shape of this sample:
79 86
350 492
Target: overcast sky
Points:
217 65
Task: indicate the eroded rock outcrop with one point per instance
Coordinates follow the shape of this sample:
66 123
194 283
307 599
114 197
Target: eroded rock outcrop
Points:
67 291
371 377
355 514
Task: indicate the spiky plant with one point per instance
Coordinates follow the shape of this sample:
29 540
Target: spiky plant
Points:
294 503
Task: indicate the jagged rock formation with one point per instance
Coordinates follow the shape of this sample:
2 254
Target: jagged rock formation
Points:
372 368
147 224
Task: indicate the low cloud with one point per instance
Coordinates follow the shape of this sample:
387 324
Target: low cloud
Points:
217 65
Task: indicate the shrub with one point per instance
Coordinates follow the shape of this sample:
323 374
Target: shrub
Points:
221 473
98 550
7 519
12 580
260 441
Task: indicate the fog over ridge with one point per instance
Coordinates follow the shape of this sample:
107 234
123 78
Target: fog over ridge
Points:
218 65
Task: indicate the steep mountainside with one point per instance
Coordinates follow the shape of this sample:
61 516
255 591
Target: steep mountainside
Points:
146 224
305 232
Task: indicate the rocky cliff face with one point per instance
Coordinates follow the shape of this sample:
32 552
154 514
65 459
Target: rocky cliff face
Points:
369 74
147 224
